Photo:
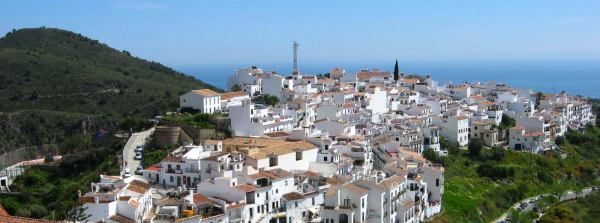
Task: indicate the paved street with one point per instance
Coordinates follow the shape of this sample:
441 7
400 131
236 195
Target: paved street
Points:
569 195
136 139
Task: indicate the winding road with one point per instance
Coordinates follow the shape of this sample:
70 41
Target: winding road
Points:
569 195
138 138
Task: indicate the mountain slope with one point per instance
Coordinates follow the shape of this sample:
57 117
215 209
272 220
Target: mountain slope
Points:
57 70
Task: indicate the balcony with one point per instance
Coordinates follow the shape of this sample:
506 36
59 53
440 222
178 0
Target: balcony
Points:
174 171
192 170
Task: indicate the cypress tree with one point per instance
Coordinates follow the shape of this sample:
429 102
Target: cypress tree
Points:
396 72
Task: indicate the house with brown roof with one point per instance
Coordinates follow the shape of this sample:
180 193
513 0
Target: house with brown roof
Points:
202 100
124 200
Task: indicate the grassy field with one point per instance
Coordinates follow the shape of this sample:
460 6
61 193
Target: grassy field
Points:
472 195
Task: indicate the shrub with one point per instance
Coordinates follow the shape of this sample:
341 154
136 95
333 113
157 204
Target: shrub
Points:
475 146
495 171
431 155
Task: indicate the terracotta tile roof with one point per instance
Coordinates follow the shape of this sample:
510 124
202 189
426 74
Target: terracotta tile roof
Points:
230 95
121 219
153 168
138 186
206 92
517 128
211 142
86 199
15 219
310 174
272 174
265 147
215 156
277 134
366 75
172 159
347 105
199 198
411 81
3 211
477 97
236 205
245 187
461 117
325 80
355 188
6 218
293 196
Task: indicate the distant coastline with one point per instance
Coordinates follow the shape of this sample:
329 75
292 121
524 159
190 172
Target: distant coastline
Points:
575 77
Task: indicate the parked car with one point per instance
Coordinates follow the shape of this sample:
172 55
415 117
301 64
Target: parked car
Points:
127 172
138 156
139 169
139 149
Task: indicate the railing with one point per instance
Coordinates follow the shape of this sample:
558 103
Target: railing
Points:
174 171
192 170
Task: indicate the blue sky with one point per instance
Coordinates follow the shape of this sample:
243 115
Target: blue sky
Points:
239 32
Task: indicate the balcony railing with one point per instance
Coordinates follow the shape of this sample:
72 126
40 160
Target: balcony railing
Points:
174 171
192 170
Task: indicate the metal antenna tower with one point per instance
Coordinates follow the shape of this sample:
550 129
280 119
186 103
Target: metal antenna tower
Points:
295 71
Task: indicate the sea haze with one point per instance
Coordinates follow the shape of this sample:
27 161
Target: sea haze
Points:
580 77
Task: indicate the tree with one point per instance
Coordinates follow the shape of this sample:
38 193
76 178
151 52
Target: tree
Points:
475 147
507 122
396 72
559 214
77 214
270 100
236 87
431 155
497 154
539 96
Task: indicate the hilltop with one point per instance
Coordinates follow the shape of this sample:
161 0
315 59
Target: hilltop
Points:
71 76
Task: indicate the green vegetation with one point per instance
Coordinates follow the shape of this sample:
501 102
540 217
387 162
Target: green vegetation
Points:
197 120
55 74
270 100
526 217
480 188
396 71
585 209
50 191
507 122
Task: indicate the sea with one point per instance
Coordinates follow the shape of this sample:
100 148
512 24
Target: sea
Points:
576 77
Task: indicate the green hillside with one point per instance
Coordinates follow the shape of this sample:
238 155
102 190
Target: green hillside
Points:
64 73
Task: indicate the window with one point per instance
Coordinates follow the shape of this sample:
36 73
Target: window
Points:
299 155
325 159
326 147
437 182
272 161
171 178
